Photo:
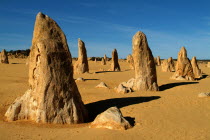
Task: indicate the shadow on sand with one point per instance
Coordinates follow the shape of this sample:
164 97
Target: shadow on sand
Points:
17 63
204 76
171 85
106 71
98 107
91 79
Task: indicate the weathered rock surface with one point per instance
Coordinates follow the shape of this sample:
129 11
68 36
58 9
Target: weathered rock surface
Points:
103 61
130 61
81 65
115 65
145 70
111 119
53 96
204 95
101 85
197 72
4 57
183 66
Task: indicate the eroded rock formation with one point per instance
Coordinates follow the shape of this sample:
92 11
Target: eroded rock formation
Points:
145 70
197 72
4 57
183 67
115 65
53 96
81 65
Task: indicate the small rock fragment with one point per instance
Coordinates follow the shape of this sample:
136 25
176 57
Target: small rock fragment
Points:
111 119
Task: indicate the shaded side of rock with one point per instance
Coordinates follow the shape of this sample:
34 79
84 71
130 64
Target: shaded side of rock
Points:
111 119
145 70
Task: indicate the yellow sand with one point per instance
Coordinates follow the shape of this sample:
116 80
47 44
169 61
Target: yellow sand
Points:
176 112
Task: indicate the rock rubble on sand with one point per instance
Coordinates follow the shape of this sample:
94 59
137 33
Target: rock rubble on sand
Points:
101 85
111 119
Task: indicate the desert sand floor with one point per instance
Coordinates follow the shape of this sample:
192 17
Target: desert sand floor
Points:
175 112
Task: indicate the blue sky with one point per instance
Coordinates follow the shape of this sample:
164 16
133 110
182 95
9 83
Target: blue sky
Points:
107 24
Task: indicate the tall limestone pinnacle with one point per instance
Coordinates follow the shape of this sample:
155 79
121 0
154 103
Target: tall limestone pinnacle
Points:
4 57
115 64
81 65
197 72
184 68
145 70
53 96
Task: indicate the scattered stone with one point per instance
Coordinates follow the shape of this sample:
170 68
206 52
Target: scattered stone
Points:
53 96
103 61
130 61
81 65
4 57
204 95
197 72
115 65
183 66
145 70
123 89
101 85
129 84
111 119
80 79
